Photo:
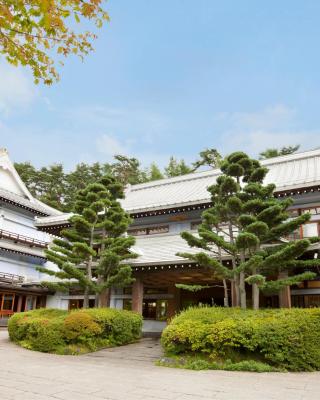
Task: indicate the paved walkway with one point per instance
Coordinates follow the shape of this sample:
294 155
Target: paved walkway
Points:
128 373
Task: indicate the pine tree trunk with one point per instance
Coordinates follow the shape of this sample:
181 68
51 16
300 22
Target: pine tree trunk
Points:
104 298
235 292
255 296
255 293
236 281
86 298
89 275
99 300
226 297
242 289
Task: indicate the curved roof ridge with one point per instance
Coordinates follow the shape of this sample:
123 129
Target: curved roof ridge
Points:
216 171
181 178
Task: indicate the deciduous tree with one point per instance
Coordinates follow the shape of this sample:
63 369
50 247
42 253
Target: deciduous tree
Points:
33 31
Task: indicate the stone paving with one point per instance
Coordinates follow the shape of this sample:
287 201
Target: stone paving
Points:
129 373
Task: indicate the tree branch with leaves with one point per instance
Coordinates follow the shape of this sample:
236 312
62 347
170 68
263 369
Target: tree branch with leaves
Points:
32 31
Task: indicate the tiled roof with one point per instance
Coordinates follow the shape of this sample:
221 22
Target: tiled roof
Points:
53 220
161 249
14 190
33 204
287 172
290 172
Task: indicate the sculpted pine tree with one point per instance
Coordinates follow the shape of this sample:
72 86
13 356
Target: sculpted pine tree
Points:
247 224
90 254
112 267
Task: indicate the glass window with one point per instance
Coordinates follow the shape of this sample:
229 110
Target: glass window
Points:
8 300
293 213
310 230
149 231
29 303
312 210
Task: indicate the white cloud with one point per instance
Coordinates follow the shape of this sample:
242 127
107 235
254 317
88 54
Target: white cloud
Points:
16 90
110 146
272 127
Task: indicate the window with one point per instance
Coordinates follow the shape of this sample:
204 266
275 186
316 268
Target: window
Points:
312 210
293 213
310 230
153 230
295 235
7 302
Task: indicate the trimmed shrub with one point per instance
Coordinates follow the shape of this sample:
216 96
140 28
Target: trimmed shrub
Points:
75 332
282 338
80 327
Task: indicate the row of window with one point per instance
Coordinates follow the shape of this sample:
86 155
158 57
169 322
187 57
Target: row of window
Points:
309 230
149 231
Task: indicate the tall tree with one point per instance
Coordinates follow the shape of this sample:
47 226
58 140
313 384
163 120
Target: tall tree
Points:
127 170
29 174
51 186
270 153
81 177
154 173
31 31
112 268
177 168
246 224
208 157
91 252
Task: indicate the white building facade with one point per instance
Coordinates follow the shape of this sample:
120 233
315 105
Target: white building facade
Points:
22 245
160 210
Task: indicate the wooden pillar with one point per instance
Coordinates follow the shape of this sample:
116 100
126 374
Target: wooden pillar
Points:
19 305
174 302
137 295
285 293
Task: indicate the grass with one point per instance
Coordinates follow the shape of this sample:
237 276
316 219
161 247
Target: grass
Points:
198 362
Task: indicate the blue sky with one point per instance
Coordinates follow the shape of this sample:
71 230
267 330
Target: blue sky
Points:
173 77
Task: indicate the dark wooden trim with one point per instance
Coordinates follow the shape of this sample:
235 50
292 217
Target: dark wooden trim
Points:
168 211
302 190
16 204
25 253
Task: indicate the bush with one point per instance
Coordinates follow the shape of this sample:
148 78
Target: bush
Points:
282 338
75 332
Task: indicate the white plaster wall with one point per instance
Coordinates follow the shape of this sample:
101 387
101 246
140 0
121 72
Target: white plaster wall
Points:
27 270
57 301
22 224
8 183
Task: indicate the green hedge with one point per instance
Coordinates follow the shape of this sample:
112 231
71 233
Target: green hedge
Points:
75 332
283 338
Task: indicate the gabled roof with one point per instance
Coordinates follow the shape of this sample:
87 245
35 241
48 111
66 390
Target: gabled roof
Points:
13 190
162 249
290 172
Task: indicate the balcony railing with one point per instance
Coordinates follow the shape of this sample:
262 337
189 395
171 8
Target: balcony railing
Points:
11 279
17 238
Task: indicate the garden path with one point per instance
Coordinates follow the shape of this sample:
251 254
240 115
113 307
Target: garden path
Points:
129 373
